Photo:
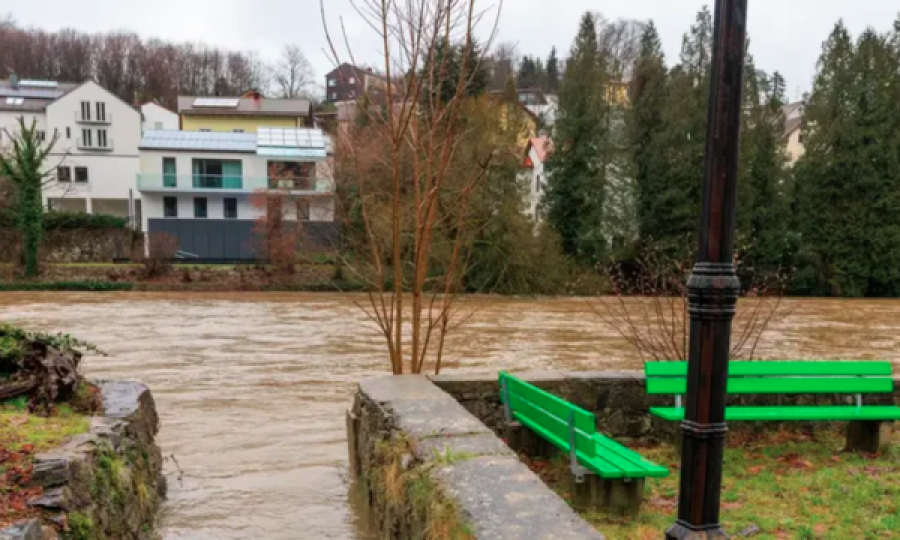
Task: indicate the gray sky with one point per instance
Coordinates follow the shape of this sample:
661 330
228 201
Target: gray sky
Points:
786 34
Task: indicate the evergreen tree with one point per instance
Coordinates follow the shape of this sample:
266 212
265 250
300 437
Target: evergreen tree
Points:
576 169
477 76
645 126
527 77
672 211
830 204
552 72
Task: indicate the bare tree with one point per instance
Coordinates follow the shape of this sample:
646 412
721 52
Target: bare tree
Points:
293 74
414 189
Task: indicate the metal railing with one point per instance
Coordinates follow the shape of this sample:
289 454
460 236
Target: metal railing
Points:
191 182
94 146
107 119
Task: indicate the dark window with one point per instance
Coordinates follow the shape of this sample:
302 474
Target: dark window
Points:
199 207
101 138
63 174
86 138
81 175
170 206
85 110
170 173
303 210
800 137
68 133
41 135
101 111
230 208
205 130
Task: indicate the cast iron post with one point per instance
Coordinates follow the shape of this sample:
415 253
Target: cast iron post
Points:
713 287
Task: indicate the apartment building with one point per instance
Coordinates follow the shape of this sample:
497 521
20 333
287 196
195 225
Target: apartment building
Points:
242 114
208 189
793 134
95 156
348 82
536 153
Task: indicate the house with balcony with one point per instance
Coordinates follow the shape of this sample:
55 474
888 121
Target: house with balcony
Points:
244 114
209 190
95 156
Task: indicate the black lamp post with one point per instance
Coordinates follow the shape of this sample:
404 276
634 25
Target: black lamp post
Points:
713 287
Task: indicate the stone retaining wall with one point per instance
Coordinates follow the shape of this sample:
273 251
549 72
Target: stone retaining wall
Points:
430 469
105 484
75 245
618 399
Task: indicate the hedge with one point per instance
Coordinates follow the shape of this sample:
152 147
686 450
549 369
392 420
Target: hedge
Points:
54 220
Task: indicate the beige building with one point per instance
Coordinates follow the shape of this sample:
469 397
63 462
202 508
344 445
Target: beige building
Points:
793 135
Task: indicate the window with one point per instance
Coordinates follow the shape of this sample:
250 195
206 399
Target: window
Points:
332 83
351 80
170 206
81 175
800 138
218 174
101 111
157 125
238 130
86 138
303 210
537 184
85 110
352 93
41 135
205 130
230 208
170 172
334 95
199 207
101 138
15 101
63 174
68 132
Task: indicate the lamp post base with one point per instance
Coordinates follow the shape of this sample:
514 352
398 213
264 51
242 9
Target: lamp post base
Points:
680 531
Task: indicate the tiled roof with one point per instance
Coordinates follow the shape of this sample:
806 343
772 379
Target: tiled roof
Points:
248 107
542 146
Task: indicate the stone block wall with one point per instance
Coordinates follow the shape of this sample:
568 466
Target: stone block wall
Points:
75 245
426 464
105 484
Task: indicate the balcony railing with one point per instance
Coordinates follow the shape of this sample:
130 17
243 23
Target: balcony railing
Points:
93 146
203 182
107 119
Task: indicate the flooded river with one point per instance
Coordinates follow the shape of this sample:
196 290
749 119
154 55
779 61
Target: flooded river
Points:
251 388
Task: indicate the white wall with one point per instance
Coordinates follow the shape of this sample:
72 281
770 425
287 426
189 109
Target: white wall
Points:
536 181
158 117
111 173
9 121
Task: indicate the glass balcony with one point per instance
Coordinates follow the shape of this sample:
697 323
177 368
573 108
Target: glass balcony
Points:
209 182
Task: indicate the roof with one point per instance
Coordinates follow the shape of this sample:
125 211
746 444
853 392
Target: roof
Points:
247 107
34 99
302 143
209 141
368 72
542 146
791 125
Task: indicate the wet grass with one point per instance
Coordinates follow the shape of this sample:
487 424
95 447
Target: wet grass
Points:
786 484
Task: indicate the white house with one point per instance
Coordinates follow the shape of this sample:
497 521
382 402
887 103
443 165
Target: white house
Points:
206 189
96 153
536 154
157 117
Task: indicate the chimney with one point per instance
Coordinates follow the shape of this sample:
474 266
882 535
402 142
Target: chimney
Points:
13 80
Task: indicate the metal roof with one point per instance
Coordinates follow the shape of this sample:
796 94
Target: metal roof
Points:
292 108
291 143
198 140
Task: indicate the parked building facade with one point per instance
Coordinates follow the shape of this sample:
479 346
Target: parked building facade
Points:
793 134
209 189
242 114
96 154
536 153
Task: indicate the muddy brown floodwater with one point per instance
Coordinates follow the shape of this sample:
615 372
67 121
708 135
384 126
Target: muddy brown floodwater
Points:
251 388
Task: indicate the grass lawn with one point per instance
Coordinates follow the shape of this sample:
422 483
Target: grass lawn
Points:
22 435
789 485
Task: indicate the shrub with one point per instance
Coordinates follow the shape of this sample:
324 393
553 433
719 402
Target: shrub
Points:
66 286
55 220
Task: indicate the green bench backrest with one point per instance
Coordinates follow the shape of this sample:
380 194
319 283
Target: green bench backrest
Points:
771 377
539 409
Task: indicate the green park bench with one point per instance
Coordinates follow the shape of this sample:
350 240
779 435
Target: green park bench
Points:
615 475
869 428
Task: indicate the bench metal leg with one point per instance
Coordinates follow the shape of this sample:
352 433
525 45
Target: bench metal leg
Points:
868 436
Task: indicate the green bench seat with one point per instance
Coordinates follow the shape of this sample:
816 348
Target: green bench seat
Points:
776 377
567 426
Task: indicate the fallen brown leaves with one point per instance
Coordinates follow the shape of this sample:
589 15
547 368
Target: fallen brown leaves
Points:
15 488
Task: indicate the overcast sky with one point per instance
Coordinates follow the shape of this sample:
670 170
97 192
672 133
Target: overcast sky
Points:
786 34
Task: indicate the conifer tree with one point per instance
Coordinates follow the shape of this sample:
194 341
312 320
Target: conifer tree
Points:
576 171
553 72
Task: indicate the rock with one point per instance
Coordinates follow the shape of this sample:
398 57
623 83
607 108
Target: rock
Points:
51 471
25 530
749 531
55 499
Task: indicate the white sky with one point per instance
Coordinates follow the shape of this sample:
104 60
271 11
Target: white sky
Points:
786 34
